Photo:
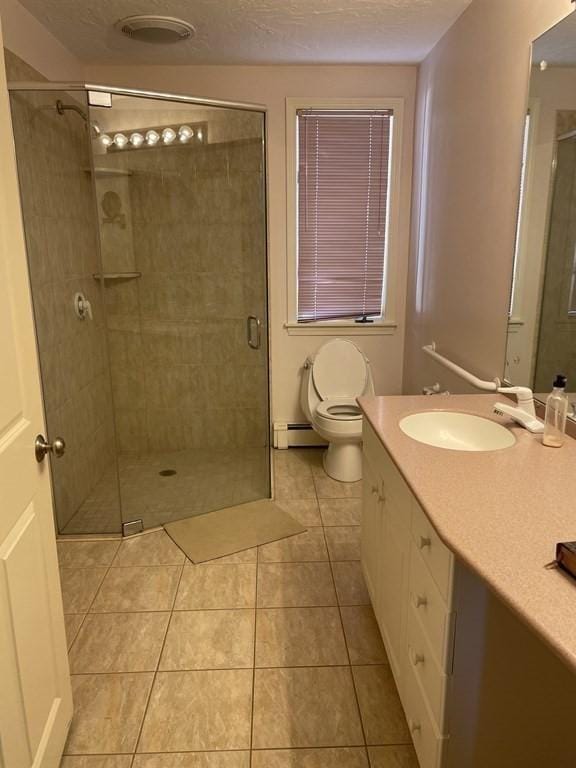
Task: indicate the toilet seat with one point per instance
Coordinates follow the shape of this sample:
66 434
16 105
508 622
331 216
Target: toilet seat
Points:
341 409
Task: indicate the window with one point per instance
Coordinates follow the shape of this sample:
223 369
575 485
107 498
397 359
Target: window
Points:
343 183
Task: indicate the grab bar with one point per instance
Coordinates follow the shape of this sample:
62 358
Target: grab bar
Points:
488 386
524 395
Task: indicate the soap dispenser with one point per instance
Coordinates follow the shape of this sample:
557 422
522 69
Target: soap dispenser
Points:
556 411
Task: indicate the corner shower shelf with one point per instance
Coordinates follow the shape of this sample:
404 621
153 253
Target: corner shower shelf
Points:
103 171
116 275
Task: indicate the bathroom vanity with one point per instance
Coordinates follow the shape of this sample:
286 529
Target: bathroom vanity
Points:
480 635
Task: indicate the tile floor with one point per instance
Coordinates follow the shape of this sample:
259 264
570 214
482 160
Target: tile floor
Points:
270 658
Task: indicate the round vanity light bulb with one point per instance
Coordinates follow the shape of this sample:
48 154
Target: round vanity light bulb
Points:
185 133
199 134
168 135
152 138
120 140
106 140
136 140
543 65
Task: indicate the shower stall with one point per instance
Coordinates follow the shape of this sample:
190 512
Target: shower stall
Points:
145 222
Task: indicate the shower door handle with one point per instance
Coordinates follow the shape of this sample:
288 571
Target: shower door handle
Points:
254 339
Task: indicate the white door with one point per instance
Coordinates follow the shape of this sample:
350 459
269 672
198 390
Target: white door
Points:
35 694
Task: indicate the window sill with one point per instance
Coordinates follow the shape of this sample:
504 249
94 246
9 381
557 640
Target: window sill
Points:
386 328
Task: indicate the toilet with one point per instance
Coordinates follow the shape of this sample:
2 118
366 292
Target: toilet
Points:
333 378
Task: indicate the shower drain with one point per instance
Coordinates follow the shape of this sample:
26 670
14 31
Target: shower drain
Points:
167 472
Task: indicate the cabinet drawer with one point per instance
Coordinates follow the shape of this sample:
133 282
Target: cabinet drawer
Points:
434 553
428 742
425 667
431 610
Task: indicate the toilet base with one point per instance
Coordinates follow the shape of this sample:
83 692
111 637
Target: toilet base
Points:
343 461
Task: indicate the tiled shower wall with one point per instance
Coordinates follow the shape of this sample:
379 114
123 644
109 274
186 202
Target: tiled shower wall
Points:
183 374
57 199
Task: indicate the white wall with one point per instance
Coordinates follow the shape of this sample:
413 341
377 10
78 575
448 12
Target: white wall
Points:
270 85
472 92
31 41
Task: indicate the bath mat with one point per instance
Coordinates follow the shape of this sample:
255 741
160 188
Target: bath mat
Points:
232 529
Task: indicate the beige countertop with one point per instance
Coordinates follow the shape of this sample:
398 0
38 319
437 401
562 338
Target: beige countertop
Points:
501 512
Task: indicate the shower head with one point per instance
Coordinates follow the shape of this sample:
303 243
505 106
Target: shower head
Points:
61 108
94 126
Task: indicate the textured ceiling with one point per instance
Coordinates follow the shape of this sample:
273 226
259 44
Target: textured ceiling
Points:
558 45
255 31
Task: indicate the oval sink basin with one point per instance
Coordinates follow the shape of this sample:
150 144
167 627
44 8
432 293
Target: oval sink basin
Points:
456 431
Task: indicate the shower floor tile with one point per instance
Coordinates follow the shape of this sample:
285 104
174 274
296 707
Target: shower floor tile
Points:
237 662
199 481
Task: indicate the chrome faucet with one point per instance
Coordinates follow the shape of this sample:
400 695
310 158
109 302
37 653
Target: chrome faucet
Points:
524 413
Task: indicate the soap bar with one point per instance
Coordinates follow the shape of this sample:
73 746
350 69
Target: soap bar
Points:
566 557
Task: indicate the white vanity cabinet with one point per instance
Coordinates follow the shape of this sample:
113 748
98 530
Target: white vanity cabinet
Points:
409 574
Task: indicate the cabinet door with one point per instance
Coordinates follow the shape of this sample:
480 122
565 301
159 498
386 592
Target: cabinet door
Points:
395 548
371 530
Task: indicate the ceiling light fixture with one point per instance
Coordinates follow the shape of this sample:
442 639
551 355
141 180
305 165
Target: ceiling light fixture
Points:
155 29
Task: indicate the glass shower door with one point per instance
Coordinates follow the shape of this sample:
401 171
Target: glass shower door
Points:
181 215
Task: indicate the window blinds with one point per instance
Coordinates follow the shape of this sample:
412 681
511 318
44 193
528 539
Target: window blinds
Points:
343 192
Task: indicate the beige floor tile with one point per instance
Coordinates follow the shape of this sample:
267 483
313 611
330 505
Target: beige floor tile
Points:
86 554
304 511
363 637
96 761
79 587
350 584
138 588
343 542
306 707
285 585
245 556
194 760
209 640
119 642
208 586
294 487
72 622
328 488
341 511
382 714
191 711
297 637
303 547
149 549
108 712
294 461
331 757
393 757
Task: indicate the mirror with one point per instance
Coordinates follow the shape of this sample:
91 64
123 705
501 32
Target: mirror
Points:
542 313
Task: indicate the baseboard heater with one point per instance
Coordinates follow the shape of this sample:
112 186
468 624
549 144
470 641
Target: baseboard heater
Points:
295 435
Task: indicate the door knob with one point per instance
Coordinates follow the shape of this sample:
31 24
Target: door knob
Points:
42 447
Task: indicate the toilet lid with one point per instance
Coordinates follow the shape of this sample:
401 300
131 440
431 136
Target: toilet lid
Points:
339 370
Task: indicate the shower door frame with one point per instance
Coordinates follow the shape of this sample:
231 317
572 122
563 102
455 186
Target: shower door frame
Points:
87 88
